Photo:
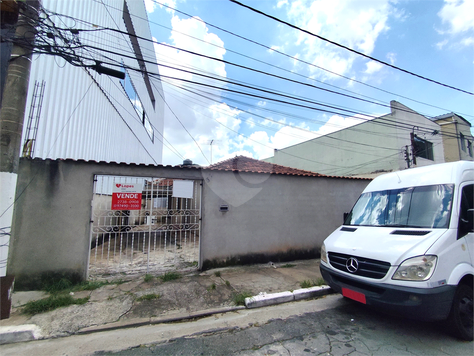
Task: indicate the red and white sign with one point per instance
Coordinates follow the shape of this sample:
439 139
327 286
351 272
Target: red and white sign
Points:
127 196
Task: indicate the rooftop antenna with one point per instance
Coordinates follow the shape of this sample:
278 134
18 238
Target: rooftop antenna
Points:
210 144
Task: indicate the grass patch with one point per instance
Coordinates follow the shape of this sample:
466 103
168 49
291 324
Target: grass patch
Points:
51 303
239 298
89 285
170 276
227 283
288 265
212 287
308 284
151 296
217 274
148 278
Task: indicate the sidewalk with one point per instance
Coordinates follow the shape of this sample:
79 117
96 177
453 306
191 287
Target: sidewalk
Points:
195 294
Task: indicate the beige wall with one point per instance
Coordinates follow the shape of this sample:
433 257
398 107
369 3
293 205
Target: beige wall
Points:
451 129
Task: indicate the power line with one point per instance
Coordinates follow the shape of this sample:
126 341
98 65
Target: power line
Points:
239 93
230 63
288 56
349 49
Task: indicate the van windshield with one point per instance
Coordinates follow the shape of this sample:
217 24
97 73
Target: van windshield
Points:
416 207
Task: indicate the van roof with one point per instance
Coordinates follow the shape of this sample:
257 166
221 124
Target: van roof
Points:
443 173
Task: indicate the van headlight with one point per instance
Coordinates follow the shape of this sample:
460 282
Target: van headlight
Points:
324 256
418 268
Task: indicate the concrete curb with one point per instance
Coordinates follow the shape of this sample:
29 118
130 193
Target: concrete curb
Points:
263 299
19 333
30 332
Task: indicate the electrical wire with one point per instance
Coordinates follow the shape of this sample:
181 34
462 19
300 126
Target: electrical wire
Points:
350 49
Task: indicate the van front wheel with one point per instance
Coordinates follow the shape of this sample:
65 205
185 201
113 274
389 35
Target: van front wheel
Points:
461 315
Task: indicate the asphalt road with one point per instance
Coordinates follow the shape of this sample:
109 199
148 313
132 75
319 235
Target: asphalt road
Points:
349 329
326 326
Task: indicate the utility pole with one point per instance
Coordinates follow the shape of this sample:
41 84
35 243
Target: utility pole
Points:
407 156
413 150
12 116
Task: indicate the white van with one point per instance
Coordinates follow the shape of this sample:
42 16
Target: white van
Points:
407 246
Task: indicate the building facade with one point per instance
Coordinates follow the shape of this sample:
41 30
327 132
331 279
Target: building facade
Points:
399 140
94 89
457 137
75 107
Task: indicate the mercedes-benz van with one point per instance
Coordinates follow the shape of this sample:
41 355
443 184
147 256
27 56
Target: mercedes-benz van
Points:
407 246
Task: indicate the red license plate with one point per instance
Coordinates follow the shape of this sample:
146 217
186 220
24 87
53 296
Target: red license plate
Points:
359 297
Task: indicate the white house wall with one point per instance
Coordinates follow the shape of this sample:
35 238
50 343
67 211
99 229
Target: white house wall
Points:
89 116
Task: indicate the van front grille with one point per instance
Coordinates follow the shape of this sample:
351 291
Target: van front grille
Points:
359 266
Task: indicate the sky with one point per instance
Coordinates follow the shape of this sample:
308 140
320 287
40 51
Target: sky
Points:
273 86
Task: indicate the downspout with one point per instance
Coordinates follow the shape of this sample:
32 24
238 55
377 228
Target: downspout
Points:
457 136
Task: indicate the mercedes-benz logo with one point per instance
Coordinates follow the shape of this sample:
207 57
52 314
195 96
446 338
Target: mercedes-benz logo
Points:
352 264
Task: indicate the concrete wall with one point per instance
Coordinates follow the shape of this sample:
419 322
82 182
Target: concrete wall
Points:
51 223
269 217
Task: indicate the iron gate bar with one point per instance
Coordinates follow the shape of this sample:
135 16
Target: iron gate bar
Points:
163 221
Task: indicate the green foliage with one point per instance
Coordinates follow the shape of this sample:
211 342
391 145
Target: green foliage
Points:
212 287
319 282
54 282
217 274
239 298
227 283
151 296
288 265
170 276
308 284
51 303
148 278
88 285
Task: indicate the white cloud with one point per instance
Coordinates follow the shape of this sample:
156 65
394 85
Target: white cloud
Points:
440 45
373 67
151 5
391 57
468 41
458 14
263 144
203 118
356 24
458 17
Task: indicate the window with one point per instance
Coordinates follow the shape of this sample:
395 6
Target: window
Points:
466 216
469 148
423 148
137 104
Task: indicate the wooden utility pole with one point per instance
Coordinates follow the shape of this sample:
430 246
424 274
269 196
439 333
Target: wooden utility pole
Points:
12 116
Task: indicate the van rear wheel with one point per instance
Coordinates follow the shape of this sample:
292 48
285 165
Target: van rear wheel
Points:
461 315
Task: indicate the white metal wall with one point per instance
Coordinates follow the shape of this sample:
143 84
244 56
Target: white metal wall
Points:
90 116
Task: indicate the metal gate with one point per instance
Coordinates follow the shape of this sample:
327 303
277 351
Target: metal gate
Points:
160 234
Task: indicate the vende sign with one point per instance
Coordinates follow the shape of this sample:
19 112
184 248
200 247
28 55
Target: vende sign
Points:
127 196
